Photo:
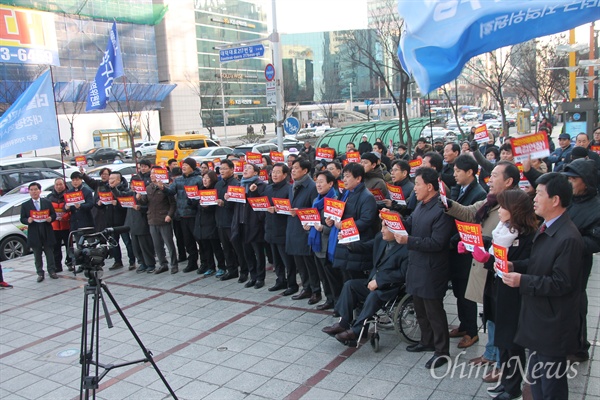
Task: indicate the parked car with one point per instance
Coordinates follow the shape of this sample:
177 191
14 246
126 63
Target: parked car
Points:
288 142
210 153
471 116
46 184
13 234
306 133
321 130
126 169
181 146
142 149
10 179
437 132
37 162
262 148
99 155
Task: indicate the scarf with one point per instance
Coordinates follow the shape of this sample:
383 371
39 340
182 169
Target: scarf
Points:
300 181
247 182
483 212
314 236
333 234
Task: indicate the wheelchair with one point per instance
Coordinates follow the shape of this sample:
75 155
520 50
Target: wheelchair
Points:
401 311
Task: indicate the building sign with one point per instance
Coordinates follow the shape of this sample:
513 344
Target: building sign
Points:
232 76
27 37
241 53
243 102
233 21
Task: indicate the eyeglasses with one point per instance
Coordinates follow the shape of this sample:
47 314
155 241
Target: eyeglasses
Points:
396 170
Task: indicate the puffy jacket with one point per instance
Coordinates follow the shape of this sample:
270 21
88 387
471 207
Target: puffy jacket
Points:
82 217
177 189
58 203
107 215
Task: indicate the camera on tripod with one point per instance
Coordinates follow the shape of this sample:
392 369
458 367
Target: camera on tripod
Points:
91 249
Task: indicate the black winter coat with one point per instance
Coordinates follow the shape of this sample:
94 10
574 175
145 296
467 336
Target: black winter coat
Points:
296 238
108 215
184 210
136 220
550 291
276 224
82 217
38 233
205 227
246 221
224 215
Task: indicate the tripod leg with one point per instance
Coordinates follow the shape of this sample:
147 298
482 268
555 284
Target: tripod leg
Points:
91 346
146 352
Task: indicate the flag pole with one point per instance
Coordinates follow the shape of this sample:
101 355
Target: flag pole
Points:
62 156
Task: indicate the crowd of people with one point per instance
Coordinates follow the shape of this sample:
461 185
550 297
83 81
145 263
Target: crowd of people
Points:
549 222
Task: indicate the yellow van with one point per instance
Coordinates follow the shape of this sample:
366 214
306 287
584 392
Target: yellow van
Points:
180 146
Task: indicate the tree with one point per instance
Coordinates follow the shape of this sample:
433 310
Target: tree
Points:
376 49
71 99
209 94
491 73
540 76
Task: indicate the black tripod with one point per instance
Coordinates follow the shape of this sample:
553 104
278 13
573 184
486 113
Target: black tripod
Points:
90 348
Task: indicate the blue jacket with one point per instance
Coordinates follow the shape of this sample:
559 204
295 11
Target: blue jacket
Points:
184 210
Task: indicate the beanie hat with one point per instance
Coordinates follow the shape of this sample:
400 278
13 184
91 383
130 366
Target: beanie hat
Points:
191 162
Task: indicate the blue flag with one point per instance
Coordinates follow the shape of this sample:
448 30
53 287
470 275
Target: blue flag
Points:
110 68
30 122
441 36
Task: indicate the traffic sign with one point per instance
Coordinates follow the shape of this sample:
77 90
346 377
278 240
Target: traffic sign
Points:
270 72
241 53
271 94
291 125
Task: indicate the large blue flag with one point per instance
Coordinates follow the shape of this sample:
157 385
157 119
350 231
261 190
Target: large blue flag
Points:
110 68
441 36
30 122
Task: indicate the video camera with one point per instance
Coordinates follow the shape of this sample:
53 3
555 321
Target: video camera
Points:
91 248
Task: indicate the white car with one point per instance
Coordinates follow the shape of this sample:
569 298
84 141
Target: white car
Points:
210 153
126 169
471 116
142 149
37 162
13 234
46 184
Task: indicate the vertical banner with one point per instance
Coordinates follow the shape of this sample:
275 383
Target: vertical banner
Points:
110 68
30 123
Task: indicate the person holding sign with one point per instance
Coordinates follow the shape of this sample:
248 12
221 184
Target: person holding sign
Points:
81 211
38 214
429 231
61 225
373 174
400 176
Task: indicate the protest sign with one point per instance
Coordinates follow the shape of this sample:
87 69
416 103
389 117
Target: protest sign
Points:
333 209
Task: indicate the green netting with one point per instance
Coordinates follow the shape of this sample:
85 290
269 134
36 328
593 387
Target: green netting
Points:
385 130
135 12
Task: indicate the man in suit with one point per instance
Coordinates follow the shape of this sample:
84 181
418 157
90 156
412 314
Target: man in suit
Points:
390 261
38 214
550 290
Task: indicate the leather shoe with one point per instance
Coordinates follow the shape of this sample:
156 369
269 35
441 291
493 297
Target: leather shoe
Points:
304 294
278 286
289 291
436 361
40 278
333 329
259 284
454 333
250 283
228 275
243 278
325 306
346 336
467 341
53 275
315 298
508 396
335 314
481 360
418 348
190 268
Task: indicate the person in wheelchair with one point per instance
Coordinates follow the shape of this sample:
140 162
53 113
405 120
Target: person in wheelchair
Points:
390 262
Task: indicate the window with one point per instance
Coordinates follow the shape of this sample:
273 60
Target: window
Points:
166 145
191 144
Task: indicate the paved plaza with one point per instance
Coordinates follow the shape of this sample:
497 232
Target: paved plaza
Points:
219 340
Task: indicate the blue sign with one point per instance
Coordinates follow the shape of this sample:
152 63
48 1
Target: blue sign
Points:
30 122
291 125
110 68
241 53
270 72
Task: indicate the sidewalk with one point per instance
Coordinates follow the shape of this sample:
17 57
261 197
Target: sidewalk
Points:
218 340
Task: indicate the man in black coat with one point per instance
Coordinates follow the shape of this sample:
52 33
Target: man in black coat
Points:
40 236
466 192
451 153
390 262
81 214
364 146
429 231
550 290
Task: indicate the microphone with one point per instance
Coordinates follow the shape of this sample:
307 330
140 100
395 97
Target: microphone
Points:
116 230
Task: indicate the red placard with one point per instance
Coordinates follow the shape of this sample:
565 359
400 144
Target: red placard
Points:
211 165
263 175
106 197
208 197
443 195
378 194
349 231
309 216
277 157
341 185
595 149
333 209
61 213
39 216
74 198
481 134
523 182
254 158
282 206
80 161
238 166
259 203
393 222
161 174
353 156
534 146
414 164
138 186
126 201
396 194
501 259
192 192
236 194
324 153
470 234
217 162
